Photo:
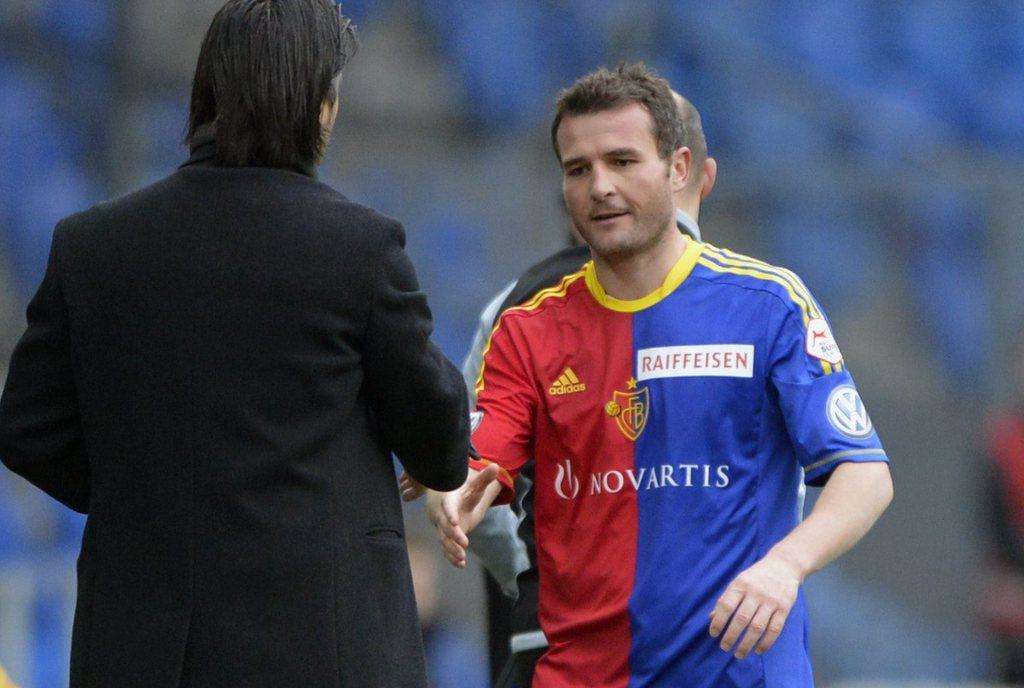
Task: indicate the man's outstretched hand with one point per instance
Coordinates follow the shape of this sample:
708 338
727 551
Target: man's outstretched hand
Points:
457 513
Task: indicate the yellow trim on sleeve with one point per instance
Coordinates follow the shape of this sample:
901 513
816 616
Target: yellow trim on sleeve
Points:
843 455
486 462
728 257
555 291
679 272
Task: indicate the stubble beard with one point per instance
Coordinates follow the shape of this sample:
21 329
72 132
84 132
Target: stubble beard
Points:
650 228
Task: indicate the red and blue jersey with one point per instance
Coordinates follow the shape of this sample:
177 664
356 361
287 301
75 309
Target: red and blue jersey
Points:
672 436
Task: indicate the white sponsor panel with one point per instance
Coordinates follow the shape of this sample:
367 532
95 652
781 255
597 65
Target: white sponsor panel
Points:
820 343
475 418
847 414
702 360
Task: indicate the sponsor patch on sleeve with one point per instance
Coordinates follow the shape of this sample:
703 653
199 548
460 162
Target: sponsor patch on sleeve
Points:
820 343
847 414
475 418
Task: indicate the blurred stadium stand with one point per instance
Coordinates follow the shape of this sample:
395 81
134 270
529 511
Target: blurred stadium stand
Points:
877 148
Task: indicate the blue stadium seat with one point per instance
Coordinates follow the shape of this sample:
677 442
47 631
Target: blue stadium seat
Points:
832 37
452 264
939 40
41 181
361 10
497 50
829 241
80 24
770 133
163 124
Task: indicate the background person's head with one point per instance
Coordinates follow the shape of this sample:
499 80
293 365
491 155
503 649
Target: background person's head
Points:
267 80
703 169
619 138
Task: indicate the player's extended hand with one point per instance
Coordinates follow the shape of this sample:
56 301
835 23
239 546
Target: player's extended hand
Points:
458 512
758 601
410 488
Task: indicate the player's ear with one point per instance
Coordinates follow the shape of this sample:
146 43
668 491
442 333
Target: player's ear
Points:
680 168
710 175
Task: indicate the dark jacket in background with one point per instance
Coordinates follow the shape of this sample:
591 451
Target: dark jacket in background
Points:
216 369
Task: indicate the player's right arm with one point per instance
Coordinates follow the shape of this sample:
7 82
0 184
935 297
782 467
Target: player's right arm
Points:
507 401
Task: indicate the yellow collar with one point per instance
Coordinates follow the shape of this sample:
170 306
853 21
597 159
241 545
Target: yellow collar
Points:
679 272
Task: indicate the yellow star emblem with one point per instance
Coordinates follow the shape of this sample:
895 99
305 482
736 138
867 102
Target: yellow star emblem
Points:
631 383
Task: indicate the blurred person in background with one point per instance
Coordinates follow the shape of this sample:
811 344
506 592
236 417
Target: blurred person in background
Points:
504 539
453 656
216 370
1003 595
667 522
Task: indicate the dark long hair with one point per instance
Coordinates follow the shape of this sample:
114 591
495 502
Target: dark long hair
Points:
264 71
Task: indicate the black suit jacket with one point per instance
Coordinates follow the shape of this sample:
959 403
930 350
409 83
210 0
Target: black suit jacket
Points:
216 369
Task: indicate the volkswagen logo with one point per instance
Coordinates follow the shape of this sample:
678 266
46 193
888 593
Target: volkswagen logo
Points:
847 414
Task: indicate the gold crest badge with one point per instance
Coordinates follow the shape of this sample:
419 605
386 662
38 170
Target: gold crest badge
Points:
630 409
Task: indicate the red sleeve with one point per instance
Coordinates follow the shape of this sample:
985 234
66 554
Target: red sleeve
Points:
507 402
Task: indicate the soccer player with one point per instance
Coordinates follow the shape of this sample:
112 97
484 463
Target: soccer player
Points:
673 397
506 548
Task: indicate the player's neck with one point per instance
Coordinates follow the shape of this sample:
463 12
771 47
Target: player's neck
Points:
635 276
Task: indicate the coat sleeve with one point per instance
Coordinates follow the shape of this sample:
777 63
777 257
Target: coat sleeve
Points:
40 428
417 395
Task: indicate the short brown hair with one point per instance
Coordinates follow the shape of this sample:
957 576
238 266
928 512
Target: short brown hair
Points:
628 83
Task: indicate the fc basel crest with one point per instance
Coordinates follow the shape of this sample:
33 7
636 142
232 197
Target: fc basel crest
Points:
630 409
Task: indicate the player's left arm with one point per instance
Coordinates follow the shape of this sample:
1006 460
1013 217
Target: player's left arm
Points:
760 598
837 446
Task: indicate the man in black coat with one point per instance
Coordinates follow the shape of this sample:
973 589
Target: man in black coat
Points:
216 370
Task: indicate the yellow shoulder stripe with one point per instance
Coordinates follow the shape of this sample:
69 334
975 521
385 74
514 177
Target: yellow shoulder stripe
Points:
741 265
725 255
555 291
795 285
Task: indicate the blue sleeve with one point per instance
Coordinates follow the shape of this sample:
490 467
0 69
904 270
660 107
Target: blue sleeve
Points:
824 414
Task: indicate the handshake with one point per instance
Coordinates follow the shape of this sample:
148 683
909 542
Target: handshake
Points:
455 514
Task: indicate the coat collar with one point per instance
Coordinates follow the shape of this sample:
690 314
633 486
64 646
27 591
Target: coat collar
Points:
203 150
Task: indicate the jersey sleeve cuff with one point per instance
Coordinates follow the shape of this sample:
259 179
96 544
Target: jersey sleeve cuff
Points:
816 474
508 490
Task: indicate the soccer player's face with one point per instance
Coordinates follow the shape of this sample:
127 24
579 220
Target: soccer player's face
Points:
618 191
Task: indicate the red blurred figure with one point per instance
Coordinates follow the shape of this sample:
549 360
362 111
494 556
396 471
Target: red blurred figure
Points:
1003 599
